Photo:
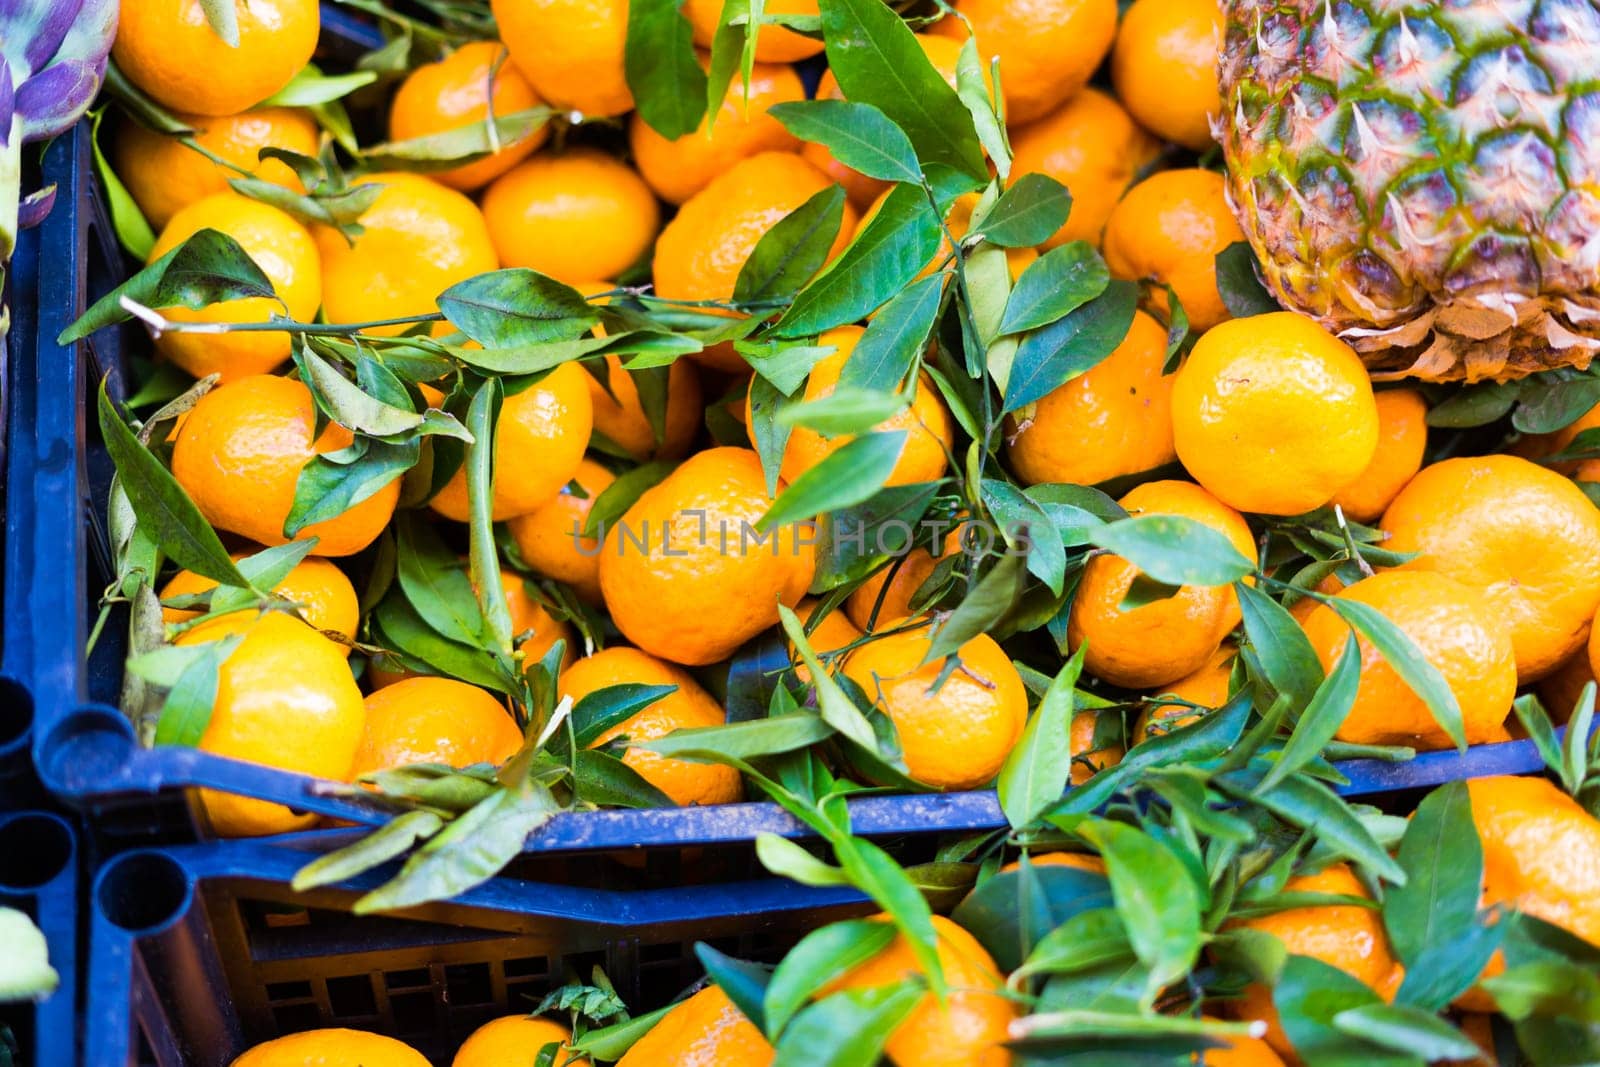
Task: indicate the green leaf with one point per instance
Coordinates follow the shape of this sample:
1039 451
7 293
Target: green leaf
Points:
744 983
164 510
744 740
517 306
1322 718
1408 662
612 706
1549 403
1281 647
1088 939
403 630
610 1043
668 86
209 268
435 582
895 337
847 1029
1026 527
223 18
767 432
859 136
1157 899
973 89
1037 770
791 252
1014 911
1242 292
334 482
836 709
1054 285
1407 1030
186 712
346 403
846 410
1311 805
876 874
1174 549
602 779
788 860
1308 996
877 60
311 87
848 476
984 606
615 499
1049 357
133 230
470 851
732 48
1028 213
884 258
390 841
463 144
1475 405
821 957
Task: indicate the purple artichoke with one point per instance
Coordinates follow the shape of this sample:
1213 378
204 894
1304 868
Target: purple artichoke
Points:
53 57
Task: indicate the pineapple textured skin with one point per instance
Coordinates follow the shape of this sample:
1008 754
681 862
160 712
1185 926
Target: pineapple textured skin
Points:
1422 177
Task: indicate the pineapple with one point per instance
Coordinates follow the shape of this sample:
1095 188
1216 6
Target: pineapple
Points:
1423 178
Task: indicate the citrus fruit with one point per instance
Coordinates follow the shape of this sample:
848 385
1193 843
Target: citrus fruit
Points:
703 1030
774 44
168 49
832 632
955 735
550 537
1525 536
678 169
164 175
1087 759
1402 438
1241 414
887 595
926 422
286 254
574 215
1541 852
1206 688
1302 608
1454 628
968 1028
533 628
1047 48
539 441
1112 420
688 707
507 1041
943 53
1094 148
1541 856
570 51
326 598
1346 936
239 454
418 239
619 412
331 1048
1169 229
460 90
685 573
434 720
1157 643
701 251
1164 66
285 699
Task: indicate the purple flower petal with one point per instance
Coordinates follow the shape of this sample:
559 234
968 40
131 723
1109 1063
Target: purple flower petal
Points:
35 206
53 99
39 26
8 101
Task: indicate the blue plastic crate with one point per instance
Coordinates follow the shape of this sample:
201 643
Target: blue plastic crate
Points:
39 875
58 560
198 952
